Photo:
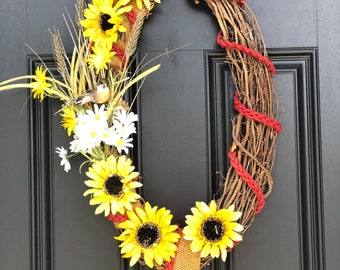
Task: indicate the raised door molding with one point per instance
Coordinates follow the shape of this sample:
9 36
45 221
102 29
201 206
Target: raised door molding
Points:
301 65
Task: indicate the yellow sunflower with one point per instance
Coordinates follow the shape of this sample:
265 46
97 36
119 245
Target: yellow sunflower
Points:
69 119
101 57
103 20
212 231
112 185
40 86
148 233
147 3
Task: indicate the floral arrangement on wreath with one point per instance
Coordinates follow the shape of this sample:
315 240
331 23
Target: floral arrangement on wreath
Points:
101 124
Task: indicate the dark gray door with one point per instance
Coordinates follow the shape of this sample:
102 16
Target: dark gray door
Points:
45 221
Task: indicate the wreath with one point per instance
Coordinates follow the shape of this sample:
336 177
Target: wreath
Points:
100 122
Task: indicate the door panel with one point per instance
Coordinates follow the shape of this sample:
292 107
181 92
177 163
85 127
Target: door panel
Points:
185 110
14 175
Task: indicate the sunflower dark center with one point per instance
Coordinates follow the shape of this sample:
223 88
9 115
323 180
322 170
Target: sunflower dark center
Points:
114 186
213 229
104 22
147 235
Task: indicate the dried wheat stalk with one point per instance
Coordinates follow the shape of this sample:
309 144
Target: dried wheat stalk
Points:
131 43
80 8
60 55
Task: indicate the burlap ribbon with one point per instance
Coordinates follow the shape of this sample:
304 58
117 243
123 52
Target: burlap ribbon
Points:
185 258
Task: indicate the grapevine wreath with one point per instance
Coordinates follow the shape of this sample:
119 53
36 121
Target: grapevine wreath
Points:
101 125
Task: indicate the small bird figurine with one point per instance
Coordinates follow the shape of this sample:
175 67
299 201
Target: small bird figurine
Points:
99 95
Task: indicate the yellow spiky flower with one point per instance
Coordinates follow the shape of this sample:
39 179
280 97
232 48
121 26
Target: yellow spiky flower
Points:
100 57
40 87
68 121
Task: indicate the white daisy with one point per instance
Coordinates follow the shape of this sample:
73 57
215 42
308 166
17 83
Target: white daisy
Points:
109 136
75 146
86 142
123 127
122 144
90 130
124 118
123 130
62 153
98 115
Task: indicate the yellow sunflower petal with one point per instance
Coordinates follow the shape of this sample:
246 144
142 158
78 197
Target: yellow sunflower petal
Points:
94 184
134 184
139 4
148 257
141 214
111 160
120 163
229 243
231 208
215 251
236 227
234 236
189 233
128 248
206 250
124 2
213 207
197 213
128 224
171 237
224 254
135 256
93 175
196 245
203 207
158 257
124 10
89 191
233 216
101 208
121 208
166 250
133 217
